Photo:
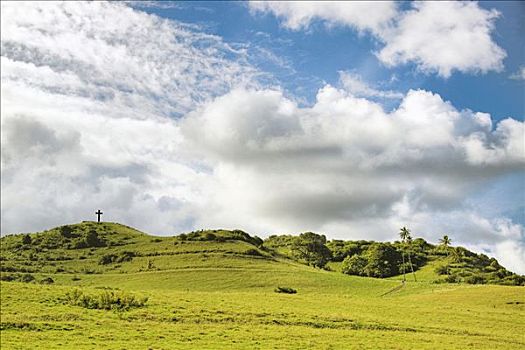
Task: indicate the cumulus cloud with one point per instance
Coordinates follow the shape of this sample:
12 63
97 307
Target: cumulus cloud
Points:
87 92
442 37
86 123
361 15
438 37
347 167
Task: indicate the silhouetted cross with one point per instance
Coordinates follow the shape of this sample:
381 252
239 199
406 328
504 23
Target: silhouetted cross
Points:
98 215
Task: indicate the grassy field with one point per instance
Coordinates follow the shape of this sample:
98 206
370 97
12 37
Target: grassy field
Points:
220 295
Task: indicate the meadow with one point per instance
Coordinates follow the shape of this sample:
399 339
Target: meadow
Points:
221 295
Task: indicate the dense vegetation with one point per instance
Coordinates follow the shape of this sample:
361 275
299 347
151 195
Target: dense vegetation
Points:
385 259
94 248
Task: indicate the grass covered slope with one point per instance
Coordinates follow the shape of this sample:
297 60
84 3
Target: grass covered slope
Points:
218 293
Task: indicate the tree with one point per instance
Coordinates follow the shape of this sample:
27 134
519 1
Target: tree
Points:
406 239
445 243
26 240
311 247
93 240
354 265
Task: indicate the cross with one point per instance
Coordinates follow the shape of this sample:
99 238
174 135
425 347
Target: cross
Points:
98 212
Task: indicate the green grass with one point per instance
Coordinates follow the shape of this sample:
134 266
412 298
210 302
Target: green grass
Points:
211 295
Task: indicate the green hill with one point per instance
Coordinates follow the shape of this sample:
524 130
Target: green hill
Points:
110 286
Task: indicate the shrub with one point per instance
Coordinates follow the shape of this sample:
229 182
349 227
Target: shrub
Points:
253 252
475 279
105 300
441 270
210 237
47 280
66 231
116 258
8 278
452 279
27 278
354 265
93 240
286 290
26 240
106 259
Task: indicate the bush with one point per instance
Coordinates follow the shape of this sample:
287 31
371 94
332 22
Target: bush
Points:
27 278
475 279
452 279
93 240
26 240
286 290
66 231
442 270
8 278
253 252
354 265
47 280
106 300
116 258
209 237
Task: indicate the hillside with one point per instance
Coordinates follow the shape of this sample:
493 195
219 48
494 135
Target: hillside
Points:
107 285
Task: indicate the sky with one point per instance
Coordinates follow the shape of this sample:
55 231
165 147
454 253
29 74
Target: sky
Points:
350 119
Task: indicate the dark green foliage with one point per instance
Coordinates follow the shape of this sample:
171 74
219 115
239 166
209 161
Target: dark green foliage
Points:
47 280
354 265
8 277
27 278
253 252
210 237
442 270
341 249
286 290
26 240
106 300
66 231
116 258
93 240
311 248
379 260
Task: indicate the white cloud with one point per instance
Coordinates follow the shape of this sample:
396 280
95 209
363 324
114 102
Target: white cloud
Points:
362 15
110 52
79 133
519 75
86 89
438 37
347 168
353 83
442 37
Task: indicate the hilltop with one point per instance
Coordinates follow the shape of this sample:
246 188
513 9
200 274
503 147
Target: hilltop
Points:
107 285
96 248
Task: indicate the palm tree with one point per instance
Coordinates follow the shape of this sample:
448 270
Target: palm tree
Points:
409 242
404 233
445 242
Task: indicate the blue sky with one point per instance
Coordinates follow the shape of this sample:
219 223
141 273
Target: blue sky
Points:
317 55
350 119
